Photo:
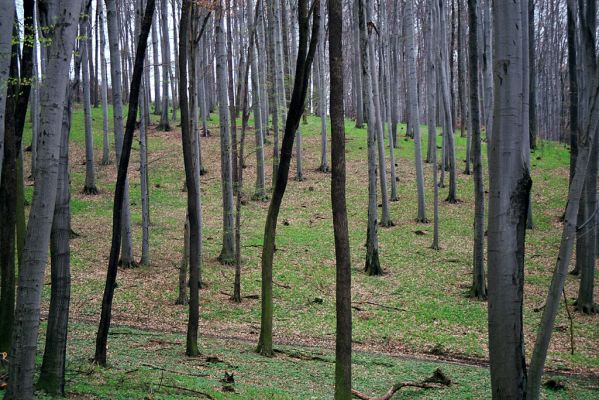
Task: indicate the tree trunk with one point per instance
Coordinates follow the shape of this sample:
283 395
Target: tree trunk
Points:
356 62
116 79
52 375
378 121
120 189
260 191
166 66
479 286
431 94
227 254
415 112
305 56
509 188
89 187
103 88
52 97
342 252
372 265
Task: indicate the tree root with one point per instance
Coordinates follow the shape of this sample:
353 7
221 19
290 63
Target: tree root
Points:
437 381
90 190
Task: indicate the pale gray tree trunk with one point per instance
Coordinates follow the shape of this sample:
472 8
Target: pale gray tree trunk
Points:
414 109
386 67
322 96
117 109
449 158
103 88
462 81
90 170
52 375
156 67
260 191
166 66
372 265
356 63
431 86
63 16
479 285
35 102
378 122
487 51
227 254
509 189
175 79
273 99
6 25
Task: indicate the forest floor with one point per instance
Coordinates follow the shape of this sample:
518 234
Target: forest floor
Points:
418 310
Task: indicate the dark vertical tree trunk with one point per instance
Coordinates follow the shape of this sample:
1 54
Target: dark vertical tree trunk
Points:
342 253
191 184
305 56
119 193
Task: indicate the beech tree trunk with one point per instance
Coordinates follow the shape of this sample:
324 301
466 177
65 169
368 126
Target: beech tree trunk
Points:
479 285
52 375
305 56
52 96
509 190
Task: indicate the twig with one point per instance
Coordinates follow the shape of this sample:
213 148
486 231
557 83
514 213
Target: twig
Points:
281 285
571 322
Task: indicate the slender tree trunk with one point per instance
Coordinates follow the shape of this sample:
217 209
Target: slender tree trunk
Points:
227 254
116 79
305 56
532 99
372 265
415 112
52 97
166 66
322 97
378 121
343 309
356 62
431 94
509 188
52 375
156 68
121 185
89 187
260 191
103 88
479 286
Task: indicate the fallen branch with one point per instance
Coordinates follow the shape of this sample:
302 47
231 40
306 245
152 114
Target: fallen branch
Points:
301 356
436 381
571 322
281 285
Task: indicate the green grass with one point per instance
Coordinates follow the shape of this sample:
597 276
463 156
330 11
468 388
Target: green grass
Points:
152 365
421 298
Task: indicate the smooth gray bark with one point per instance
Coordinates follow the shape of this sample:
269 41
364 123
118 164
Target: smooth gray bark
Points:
164 124
372 264
227 254
378 121
63 16
414 109
52 375
90 171
509 189
103 88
